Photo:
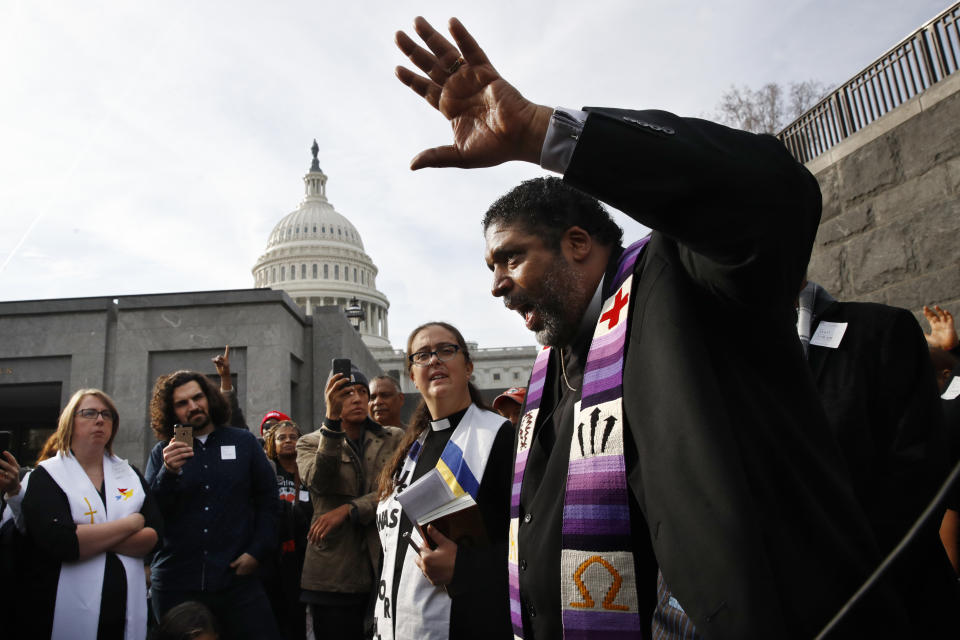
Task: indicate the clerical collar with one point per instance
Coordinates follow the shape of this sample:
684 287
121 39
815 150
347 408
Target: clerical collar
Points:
450 421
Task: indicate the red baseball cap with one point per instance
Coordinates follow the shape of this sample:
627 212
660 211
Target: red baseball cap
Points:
513 393
273 415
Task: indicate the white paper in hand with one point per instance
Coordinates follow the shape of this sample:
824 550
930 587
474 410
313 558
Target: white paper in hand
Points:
429 492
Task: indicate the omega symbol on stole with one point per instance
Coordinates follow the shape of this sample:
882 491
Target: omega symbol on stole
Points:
608 600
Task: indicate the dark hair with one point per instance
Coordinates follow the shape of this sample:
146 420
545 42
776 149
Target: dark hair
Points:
942 359
396 384
421 417
186 621
162 417
548 207
269 441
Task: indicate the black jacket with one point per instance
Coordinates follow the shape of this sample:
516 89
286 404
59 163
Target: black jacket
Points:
881 399
221 505
739 491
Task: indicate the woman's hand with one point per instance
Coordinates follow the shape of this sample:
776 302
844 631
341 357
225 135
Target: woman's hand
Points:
437 564
328 522
136 522
9 474
120 535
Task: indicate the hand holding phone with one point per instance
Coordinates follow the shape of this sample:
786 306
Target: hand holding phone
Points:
341 366
183 434
334 390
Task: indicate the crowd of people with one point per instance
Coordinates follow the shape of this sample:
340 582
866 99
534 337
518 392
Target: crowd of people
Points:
710 446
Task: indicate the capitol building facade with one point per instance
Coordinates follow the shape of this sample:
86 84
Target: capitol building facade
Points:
316 256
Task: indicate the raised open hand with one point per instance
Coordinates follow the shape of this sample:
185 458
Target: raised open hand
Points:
943 332
492 122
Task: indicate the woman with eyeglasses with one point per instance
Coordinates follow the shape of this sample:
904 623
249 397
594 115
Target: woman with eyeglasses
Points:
295 514
90 520
437 588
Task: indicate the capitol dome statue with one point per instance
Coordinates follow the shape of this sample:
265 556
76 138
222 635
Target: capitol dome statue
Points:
316 255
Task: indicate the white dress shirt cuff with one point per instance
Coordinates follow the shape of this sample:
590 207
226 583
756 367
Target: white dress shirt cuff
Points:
561 139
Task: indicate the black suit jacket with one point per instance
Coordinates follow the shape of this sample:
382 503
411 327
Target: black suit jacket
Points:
881 399
738 487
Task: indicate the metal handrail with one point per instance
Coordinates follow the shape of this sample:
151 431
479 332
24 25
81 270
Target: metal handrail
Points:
928 55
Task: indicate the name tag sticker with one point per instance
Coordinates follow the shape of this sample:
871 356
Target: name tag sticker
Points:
953 389
828 334
304 496
228 452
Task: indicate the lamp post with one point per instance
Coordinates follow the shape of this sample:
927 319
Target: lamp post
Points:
354 313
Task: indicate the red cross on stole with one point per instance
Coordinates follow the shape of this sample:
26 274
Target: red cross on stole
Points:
613 314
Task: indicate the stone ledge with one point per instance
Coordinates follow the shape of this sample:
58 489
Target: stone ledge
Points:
153 301
917 104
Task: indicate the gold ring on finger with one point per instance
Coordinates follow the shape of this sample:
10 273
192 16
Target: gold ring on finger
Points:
459 62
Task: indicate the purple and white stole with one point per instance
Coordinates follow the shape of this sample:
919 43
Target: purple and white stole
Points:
597 581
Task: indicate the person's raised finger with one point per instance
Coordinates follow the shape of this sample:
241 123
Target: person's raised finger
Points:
424 87
226 353
469 48
334 380
445 156
442 48
423 59
341 384
437 535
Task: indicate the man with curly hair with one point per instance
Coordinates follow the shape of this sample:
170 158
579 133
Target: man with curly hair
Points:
218 500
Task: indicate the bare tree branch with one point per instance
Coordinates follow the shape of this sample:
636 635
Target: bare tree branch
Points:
770 108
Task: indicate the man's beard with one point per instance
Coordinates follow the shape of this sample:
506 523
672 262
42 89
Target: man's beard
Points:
558 304
198 420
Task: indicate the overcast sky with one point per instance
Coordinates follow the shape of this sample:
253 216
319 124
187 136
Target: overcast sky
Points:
152 147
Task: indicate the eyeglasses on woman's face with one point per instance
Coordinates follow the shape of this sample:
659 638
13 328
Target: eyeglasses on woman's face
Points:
444 352
91 414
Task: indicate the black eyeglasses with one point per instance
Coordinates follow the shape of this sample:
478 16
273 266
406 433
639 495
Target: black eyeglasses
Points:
91 414
444 352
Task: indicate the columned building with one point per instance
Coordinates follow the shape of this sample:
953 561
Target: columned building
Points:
316 255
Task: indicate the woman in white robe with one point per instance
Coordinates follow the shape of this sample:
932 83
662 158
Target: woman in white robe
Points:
90 520
452 591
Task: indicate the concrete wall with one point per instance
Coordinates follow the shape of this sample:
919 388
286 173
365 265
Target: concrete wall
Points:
279 357
891 207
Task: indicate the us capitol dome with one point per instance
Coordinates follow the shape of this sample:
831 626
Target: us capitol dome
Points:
316 255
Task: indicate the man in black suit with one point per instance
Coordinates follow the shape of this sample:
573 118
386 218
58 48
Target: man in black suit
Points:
872 368
743 521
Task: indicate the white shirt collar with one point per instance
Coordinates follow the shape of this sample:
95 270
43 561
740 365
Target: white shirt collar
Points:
440 425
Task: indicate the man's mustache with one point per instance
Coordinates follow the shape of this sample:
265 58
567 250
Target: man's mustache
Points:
517 300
